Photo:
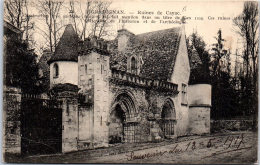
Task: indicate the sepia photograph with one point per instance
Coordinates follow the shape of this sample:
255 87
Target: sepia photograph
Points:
122 81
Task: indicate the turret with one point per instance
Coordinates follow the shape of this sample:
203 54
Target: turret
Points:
64 62
93 63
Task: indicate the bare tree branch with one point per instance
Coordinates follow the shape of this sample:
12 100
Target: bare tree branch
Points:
16 12
51 9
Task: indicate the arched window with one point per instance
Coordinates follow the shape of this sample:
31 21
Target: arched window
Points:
55 70
133 65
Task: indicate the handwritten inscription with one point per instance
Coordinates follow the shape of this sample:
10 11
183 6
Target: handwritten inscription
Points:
225 145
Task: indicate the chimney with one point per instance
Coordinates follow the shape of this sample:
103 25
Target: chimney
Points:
123 36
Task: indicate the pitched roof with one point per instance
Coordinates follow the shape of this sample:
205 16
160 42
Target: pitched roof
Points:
157 49
66 49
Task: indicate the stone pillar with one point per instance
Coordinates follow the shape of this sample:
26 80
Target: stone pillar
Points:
67 94
11 120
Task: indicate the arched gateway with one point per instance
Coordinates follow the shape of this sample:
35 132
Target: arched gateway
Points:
122 126
168 118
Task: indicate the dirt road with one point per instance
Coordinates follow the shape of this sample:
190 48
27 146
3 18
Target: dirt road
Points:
222 148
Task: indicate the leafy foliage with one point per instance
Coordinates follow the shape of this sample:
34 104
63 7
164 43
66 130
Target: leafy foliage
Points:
199 71
207 68
224 96
21 69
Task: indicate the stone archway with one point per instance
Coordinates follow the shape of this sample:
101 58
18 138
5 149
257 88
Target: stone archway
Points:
121 127
168 119
117 118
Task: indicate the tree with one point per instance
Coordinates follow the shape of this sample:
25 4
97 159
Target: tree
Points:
248 28
16 12
93 15
196 41
100 24
21 69
81 17
51 9
224 103
219 53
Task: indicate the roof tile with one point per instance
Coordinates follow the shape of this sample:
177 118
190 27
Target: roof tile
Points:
67 47
158 51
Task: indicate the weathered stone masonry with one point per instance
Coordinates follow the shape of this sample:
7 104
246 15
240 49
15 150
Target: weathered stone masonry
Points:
131 89
67 95
106 92
11 120
148 98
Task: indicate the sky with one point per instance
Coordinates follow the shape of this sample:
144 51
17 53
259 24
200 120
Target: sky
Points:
206 28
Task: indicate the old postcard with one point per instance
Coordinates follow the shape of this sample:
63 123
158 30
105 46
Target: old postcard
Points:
98 81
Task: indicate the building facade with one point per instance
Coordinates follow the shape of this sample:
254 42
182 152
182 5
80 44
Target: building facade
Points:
134 88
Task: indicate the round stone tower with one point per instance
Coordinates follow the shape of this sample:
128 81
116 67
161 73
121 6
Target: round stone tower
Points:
64 62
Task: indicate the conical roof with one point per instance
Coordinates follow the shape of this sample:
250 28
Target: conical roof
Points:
195 60
66 49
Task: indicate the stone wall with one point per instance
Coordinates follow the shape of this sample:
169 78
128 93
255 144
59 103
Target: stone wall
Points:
156 101
11 120
101 99
199 98
231 125
93 76
140 105
68 73
68 95
199 120
86 105
85 127
148 104
199 94
181 76
182 113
